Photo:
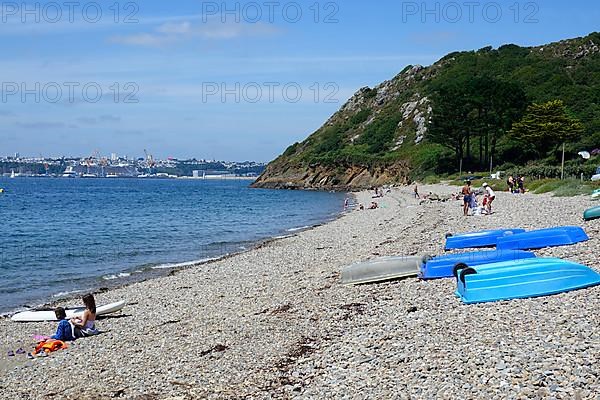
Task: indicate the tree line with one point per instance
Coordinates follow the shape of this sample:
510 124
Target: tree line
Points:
484 120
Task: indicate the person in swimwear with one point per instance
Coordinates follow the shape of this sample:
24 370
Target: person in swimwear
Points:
467 193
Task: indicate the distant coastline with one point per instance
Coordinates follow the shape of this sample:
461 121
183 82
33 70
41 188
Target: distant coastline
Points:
207 177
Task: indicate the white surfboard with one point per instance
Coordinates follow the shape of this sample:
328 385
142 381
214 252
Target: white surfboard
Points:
42 316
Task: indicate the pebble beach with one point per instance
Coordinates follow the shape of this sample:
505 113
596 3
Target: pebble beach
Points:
275 323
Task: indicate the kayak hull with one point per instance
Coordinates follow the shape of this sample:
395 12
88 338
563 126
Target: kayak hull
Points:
381 269
523 279
444 266
538 239
43 316
591 213
487 238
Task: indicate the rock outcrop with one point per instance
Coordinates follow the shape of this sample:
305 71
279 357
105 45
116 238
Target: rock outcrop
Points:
342 178
379 136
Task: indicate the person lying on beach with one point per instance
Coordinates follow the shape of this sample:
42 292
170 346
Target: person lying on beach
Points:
86 325
64 331
373 206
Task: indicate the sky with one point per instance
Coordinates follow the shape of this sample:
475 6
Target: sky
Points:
228 80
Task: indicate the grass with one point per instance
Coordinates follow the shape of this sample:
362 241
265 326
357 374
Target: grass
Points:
431 180
564 188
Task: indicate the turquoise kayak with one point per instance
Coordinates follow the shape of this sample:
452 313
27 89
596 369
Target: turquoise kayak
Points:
532 277
538 239
591 213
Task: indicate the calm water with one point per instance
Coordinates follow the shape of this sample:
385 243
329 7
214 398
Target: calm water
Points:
60 236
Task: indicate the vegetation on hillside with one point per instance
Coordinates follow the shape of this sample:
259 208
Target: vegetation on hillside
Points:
511 107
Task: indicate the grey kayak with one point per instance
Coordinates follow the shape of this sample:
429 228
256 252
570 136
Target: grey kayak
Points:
382 269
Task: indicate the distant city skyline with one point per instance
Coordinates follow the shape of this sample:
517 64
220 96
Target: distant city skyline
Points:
114 157
233 80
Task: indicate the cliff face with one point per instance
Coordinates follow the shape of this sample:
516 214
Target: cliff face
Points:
324 177
379 136
394 106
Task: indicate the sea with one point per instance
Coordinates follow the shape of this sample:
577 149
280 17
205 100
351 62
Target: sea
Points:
63 237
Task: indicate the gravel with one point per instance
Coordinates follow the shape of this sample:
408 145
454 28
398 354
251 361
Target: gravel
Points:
274 322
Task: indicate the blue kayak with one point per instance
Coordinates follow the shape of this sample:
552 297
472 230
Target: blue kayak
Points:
445 266
538 239
487 238
522 279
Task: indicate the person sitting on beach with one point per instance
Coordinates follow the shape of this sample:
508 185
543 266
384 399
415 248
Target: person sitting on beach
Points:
85 326
373 206
361 207
489 198
64 331
467 194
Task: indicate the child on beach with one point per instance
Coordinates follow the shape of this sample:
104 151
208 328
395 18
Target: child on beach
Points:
85 326
64 331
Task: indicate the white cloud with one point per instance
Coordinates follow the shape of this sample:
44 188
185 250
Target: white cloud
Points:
175 28
181 31
142 39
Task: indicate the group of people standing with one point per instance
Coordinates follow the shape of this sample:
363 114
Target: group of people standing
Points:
470 198
516 185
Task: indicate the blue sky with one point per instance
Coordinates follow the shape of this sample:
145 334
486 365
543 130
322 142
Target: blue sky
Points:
183 78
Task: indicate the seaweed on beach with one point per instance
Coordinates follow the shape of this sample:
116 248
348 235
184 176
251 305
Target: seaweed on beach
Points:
219 348
352 309
300 349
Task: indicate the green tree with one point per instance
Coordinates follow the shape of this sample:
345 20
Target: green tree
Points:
546 126
480 107
450 119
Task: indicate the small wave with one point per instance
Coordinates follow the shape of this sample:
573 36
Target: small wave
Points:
187 263
301 228
67 293
117 276
282 237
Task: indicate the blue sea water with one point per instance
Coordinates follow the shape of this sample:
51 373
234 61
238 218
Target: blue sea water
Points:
62 236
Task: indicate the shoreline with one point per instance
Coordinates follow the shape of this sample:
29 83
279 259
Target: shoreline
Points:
274 322
159 271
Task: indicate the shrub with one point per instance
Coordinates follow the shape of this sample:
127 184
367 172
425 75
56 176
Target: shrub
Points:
360 117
